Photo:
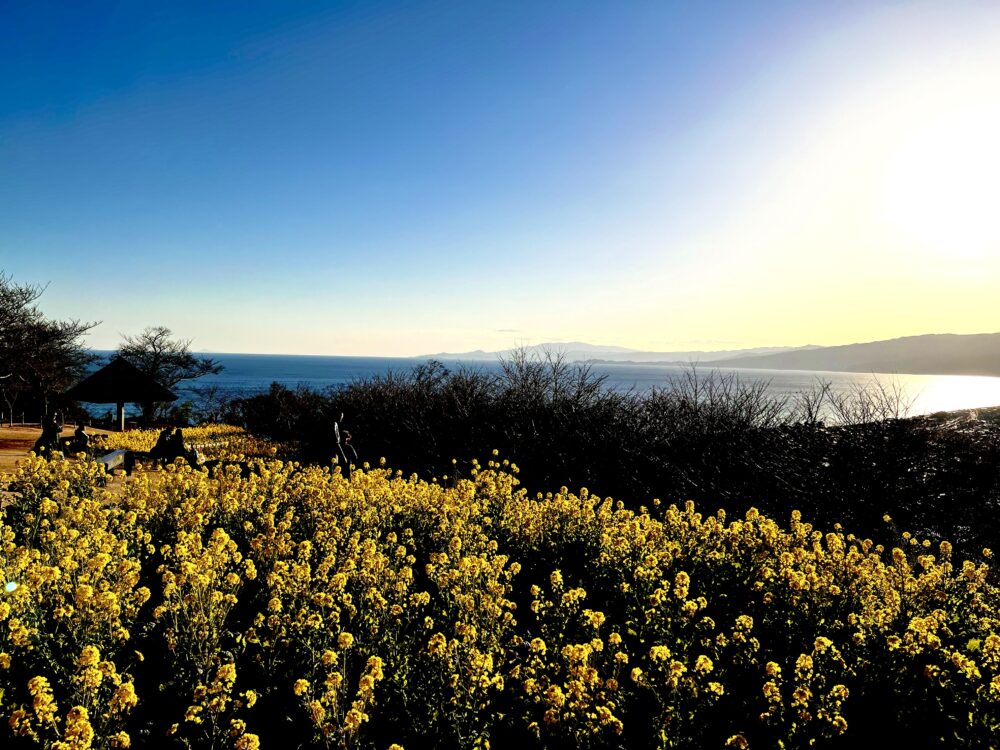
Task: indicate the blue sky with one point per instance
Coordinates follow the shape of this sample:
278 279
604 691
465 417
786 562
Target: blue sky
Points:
400 178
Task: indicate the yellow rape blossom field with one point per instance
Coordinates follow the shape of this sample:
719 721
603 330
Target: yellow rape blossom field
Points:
217 441
289 606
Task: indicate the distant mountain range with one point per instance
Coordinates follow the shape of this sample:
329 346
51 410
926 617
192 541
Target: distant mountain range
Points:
930 354
578 351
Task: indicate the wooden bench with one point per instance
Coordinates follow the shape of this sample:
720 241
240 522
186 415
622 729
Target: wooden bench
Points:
113 460
124 459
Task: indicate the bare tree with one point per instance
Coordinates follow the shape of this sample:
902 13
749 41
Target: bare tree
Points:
874 401
167 360
810 407
549 376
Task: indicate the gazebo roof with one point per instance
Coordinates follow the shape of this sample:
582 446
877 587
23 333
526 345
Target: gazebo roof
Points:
119 382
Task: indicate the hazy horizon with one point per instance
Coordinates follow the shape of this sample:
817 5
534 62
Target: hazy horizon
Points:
555 345
388 179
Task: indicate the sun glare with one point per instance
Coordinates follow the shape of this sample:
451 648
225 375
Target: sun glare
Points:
943 187
951 392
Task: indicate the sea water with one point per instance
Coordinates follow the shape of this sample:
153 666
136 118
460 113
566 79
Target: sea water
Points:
247 374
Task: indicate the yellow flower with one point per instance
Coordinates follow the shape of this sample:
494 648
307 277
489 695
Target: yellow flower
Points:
803 665
772 692
78 731
248 742
681 583
822 644
554 696
659 653
89 656
353 719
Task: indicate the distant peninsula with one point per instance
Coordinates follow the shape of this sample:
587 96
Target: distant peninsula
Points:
930 354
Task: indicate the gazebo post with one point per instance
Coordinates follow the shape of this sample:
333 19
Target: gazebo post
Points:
120 417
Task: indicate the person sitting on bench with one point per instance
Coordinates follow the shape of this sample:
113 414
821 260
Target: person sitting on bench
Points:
81 439
161 451
49 440
177 449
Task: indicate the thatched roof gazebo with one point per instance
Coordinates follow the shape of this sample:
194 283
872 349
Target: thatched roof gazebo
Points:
119 382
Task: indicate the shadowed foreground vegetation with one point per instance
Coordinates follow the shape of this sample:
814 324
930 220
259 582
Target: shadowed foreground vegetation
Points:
843 458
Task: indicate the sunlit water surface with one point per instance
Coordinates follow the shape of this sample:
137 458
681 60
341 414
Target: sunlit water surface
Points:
247 374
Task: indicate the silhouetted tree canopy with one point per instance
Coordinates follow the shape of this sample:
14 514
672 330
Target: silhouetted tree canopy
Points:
39 357
167 360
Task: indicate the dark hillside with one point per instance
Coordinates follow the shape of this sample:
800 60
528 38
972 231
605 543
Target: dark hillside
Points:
933 354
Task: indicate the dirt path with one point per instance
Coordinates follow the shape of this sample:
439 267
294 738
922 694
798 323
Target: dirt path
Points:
16 441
